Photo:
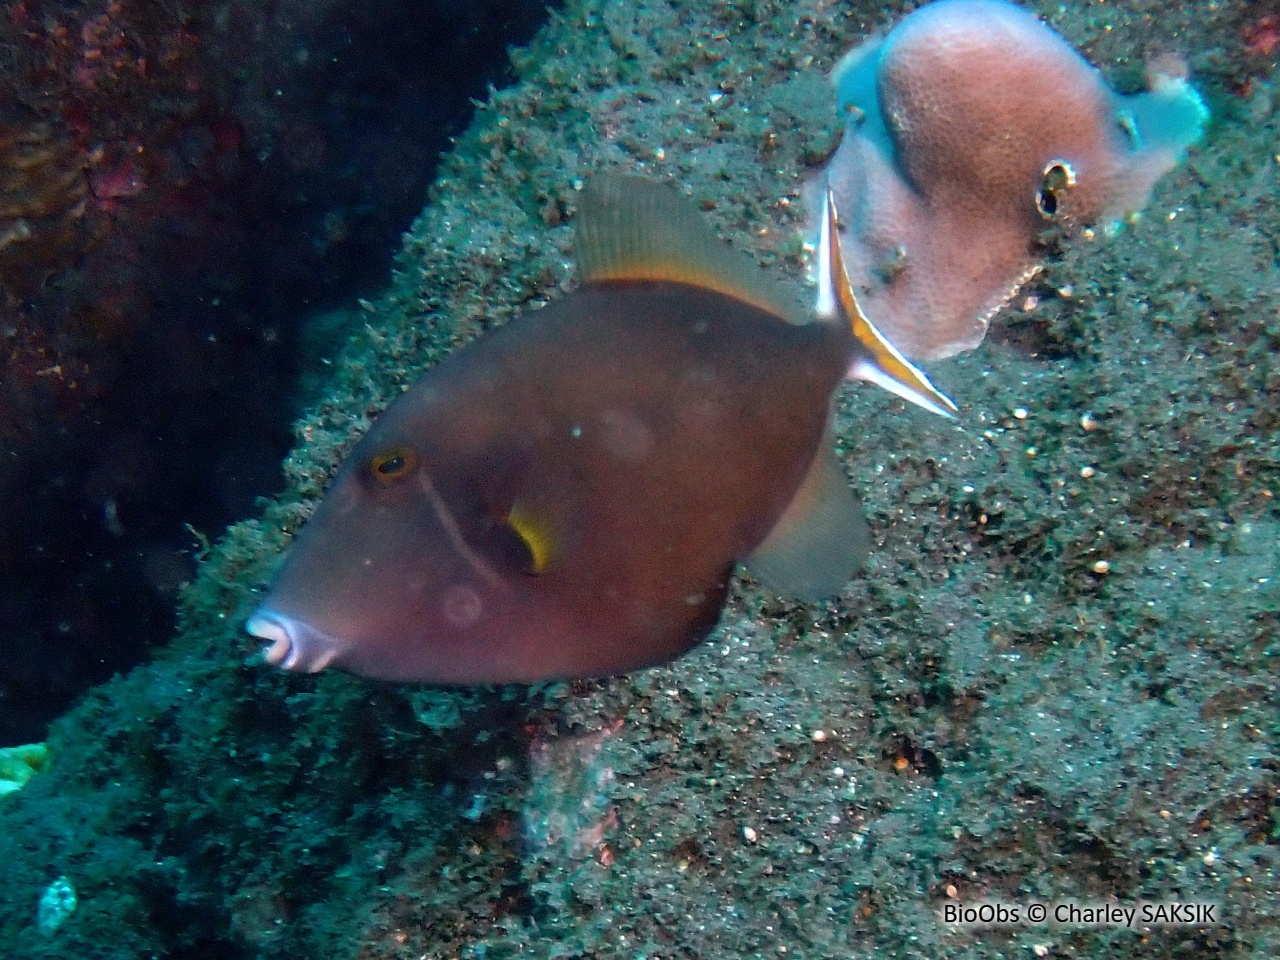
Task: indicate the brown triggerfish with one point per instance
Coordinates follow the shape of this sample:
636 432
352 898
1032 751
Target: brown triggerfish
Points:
567 496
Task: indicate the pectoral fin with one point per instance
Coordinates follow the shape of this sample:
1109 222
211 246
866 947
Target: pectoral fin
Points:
537 535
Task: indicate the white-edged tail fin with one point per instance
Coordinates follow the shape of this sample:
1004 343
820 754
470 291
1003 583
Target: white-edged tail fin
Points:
875 359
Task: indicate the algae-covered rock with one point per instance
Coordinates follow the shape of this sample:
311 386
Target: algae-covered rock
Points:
990 713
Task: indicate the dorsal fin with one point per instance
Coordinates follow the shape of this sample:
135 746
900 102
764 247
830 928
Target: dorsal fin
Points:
630 228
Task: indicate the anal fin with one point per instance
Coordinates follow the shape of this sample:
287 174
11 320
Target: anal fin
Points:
821 540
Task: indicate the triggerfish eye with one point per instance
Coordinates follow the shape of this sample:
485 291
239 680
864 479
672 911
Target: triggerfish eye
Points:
392 465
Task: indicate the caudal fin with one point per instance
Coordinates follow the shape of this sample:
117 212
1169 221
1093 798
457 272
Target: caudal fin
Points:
875 359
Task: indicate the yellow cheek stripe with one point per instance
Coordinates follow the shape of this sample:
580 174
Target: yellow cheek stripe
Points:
536 534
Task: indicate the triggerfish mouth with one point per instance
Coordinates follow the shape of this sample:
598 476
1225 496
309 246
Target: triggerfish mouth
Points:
568 496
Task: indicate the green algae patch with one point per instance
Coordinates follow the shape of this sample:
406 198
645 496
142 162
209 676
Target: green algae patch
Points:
1057 678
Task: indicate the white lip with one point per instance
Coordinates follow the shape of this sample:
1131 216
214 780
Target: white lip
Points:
294 645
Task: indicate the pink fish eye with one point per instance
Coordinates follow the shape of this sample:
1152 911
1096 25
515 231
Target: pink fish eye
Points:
1057 179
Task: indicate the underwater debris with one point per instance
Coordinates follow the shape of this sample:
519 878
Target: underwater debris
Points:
974 128
19 764
567 810
57 903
